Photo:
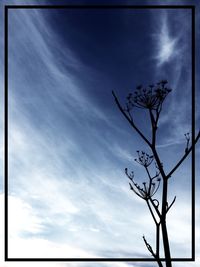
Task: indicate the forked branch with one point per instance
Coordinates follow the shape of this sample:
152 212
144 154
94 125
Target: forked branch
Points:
151 98
149 247
168 207
184 156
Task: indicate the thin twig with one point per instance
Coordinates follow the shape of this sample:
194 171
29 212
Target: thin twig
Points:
149 247
184 157
155 207
152 214
171 204
129 120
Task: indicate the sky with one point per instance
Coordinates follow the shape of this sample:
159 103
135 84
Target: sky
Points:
68 142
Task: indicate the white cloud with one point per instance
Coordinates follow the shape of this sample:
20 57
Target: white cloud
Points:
61 200
166 45
44 196
27 247
172 44
42 248
56 64
122 154
22 218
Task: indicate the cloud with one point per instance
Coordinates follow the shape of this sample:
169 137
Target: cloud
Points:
58 81
171 39
61 192
64 182
42 248
166 45
47 202
123 154
172 54
21 217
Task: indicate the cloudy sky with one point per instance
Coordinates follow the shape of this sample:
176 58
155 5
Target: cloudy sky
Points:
68 142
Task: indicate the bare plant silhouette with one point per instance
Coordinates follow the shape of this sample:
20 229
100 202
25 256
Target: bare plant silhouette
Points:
151 98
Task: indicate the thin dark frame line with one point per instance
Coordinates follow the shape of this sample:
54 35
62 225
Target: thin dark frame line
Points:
6 129
107 6
6 8
193 134
98 259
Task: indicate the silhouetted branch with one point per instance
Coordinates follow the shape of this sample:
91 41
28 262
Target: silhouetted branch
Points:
158 240
151 98
187 137
149 247
155 206
152 214
185 156
130 120
168 207
158 185
156 176
154 127
149 189
134 186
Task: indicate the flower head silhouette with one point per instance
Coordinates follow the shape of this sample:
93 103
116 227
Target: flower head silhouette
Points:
147 190
150 97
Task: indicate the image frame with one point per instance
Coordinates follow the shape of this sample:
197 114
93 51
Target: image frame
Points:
6 101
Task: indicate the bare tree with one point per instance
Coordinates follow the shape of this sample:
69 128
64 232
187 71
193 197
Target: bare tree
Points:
151 99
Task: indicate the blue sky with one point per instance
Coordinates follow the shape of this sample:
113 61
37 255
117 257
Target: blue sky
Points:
68 142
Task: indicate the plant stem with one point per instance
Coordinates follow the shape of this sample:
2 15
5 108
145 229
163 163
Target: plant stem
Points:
158 240
164 210
164 226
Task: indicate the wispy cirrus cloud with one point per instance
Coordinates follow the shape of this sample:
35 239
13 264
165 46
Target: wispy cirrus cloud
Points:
172 53
166 45
64 181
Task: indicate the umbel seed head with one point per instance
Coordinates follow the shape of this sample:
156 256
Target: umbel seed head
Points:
150 97
144 159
